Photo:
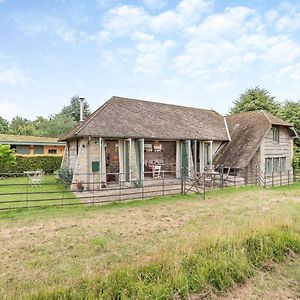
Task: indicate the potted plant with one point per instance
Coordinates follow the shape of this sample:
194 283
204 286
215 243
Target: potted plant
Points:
79 185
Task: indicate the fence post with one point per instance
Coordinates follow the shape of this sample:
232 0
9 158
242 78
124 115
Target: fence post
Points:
120 188
247 170
222 176
234 176
294 175
163 185
62 197
272 178
288 177
182 192
143 181
204 189
265 179
256 179
27 191
93 188
280 178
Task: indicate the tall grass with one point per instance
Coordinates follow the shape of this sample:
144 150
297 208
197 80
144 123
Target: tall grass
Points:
218 267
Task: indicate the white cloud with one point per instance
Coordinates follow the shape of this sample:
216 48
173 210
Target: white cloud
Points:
288 22
281 50
271 16
155 4
53 26
229 24
152 54
220 85
185 14
290 72
14 76
124 19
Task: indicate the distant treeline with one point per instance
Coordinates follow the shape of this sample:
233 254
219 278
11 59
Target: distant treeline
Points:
52 126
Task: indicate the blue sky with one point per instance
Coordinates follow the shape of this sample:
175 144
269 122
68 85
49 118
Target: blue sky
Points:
199 53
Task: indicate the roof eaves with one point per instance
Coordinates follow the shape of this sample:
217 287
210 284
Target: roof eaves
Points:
85 123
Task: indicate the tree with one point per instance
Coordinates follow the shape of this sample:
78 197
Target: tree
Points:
290 112
73 109
7 157
3 125
22 126
59 124
255 99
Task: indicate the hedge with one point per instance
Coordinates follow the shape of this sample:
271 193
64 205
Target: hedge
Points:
48 164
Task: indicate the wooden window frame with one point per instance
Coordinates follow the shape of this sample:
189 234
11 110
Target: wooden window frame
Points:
275 133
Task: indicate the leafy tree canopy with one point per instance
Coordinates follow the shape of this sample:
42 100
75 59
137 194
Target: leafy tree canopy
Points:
255 99
22 126
53 126
73 109
3 125
7 157
290 111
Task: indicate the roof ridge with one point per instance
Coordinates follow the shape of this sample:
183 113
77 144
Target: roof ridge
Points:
266 116
170 104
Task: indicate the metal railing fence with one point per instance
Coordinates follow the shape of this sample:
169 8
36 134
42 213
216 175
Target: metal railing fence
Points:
18 192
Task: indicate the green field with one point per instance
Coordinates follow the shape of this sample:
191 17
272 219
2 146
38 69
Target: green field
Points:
172 247
19 192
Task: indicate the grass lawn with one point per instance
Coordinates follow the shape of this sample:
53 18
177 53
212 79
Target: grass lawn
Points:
19 189
59 247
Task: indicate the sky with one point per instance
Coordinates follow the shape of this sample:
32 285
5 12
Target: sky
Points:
199 53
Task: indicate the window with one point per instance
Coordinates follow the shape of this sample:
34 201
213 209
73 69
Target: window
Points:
22 149
268 165
282 164
276 165
52 151
38 149
275 131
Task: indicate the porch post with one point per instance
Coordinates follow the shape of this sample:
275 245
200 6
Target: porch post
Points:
195 155
201 156
211 153
178 159
121 160
190 157
102 161
141 143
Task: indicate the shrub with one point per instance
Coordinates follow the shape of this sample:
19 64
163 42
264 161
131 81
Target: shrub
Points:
65 176
7 157
31 163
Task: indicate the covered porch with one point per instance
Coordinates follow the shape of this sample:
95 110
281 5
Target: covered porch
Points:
144 161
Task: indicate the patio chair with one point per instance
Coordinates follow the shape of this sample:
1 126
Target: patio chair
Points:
156 172
35 177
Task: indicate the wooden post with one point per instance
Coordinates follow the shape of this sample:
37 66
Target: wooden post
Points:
272 178
280 178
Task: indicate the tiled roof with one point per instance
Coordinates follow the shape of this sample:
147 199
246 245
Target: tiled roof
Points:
246 131
131 118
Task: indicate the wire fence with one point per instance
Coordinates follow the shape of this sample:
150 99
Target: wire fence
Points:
20 191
